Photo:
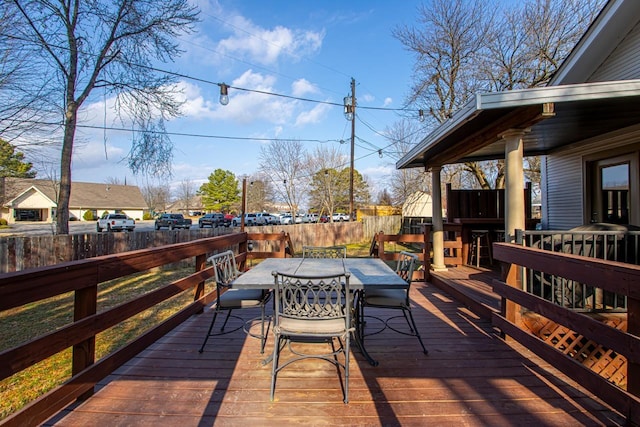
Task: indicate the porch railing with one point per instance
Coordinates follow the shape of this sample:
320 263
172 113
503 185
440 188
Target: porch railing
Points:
82 277
611 276
620 246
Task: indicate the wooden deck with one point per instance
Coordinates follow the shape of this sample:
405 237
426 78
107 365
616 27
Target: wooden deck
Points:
470 378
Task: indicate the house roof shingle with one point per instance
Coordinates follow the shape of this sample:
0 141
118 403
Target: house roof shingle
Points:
83 194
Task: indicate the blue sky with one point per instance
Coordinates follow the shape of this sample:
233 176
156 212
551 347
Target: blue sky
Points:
301 49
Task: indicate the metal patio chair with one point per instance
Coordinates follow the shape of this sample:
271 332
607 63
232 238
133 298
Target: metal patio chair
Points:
394 299
310 311
230 299
324 252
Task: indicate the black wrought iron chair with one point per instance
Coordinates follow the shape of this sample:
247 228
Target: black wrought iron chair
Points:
324 252
312 310
395 299
230 299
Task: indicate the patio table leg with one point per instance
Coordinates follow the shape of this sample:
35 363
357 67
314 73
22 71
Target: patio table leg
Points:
358 333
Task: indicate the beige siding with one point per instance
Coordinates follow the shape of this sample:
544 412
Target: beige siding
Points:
564 195
624 61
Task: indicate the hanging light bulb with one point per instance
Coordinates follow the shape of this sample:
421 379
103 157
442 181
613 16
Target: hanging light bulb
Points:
421 115
380 153
224 94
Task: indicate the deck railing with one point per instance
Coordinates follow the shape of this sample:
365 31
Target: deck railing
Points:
621 246
611 276
82 277
422 244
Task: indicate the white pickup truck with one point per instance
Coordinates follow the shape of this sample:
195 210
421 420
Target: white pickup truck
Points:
115 222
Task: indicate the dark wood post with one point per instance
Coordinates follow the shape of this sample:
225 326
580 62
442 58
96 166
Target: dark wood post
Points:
84 352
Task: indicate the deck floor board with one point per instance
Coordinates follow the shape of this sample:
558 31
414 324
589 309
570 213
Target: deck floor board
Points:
470 378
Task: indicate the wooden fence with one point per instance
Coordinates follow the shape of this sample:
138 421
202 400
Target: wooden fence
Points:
21 253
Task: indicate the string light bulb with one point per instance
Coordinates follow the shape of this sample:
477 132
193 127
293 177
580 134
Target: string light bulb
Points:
224 94
421 115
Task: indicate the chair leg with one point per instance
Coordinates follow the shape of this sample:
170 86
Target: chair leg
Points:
263 333
346 350
215 314
226 319
274 366
415 328
404 313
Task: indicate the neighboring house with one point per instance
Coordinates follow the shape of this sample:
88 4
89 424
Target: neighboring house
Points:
585 124
35 200
418 204
193 208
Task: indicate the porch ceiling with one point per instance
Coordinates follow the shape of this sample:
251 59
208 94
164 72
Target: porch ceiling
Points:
556 116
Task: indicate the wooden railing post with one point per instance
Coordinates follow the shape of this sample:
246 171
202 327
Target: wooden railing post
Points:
84 353
512 276
201 264
427 251
633 327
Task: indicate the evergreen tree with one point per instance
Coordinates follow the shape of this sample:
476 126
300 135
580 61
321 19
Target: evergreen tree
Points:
221 192
12 162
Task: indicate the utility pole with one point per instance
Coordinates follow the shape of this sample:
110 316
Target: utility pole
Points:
353 137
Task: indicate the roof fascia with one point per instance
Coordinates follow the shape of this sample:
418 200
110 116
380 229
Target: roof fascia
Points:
521 98
613 23
33 187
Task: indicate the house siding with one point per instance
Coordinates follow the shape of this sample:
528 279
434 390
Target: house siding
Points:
564 202
624 61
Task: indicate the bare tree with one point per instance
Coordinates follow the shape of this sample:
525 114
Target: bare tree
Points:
323 165
259 194
403 135
186 191
156 196
465 46
84 45
285 163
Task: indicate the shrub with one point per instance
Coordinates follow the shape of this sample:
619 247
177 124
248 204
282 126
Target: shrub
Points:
147 216
88 216
3 222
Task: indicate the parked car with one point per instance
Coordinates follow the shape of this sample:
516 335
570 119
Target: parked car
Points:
264 218
310 218
171 221
340 217
276 219
249 219
115 222
213 220
286 219
323 218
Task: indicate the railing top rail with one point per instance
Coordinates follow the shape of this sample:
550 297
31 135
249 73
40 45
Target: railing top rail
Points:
581 232
23 287
612 276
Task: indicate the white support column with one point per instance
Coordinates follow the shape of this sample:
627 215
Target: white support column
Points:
438 228
514 180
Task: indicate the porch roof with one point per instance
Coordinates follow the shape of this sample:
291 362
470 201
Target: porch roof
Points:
556 117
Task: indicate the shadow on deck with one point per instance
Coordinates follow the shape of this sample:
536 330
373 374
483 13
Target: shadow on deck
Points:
471 377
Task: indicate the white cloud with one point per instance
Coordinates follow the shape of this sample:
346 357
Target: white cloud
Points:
368 97
303 87
244 106
267 46
315 115
387 101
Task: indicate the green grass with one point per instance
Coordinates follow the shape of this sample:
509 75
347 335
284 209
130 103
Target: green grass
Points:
24 323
